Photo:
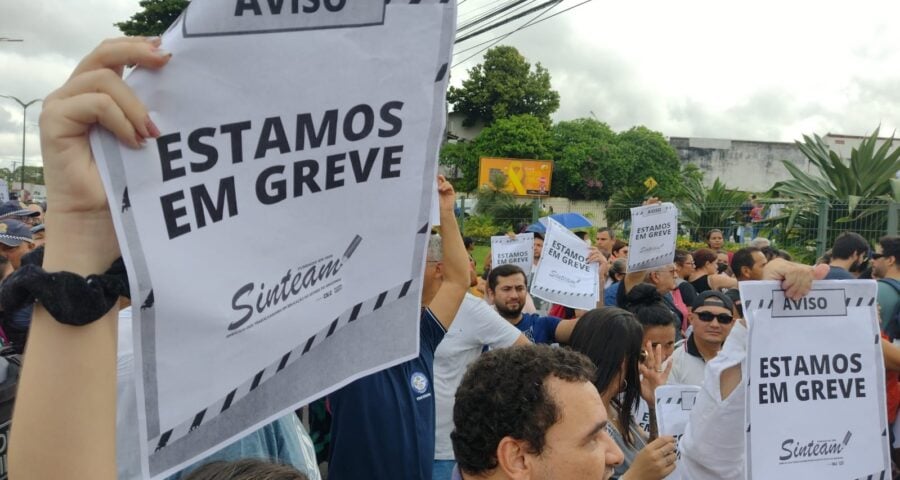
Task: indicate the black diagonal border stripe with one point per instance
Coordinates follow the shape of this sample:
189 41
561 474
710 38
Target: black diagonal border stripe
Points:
441 73
198 419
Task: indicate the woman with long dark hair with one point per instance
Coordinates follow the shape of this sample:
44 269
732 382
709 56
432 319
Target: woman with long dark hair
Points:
612 338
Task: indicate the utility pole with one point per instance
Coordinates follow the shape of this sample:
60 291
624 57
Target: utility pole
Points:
24 106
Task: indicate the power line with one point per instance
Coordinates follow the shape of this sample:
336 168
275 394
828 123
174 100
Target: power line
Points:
546 5
486 17
499 38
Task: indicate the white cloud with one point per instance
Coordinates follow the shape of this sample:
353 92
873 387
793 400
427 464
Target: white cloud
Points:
765 70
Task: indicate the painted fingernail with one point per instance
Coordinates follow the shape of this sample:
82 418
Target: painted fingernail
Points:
152 129
155 40
163 53
140 141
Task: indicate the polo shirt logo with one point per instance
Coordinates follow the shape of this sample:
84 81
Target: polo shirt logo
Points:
419 382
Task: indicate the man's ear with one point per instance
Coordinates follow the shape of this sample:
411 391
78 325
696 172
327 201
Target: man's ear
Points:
513 458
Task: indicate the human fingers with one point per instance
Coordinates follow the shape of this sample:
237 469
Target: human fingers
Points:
74 115
663 443
106 81
798 281
667 367
117 53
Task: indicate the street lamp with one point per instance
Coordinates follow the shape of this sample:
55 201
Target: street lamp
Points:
7 39
24 106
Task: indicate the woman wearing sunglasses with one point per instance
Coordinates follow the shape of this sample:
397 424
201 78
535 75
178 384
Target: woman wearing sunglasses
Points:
711 319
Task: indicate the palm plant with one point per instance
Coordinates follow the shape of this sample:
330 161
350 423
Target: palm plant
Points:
854 193
498 203
701 208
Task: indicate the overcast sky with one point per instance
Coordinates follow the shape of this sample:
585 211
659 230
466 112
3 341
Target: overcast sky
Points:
762 70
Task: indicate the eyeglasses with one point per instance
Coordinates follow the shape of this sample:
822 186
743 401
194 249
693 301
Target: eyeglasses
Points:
723 318
876 256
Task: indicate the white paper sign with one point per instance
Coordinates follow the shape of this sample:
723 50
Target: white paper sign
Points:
642 415
563 274
815 391
518 251
275 232
654 229
4 191
673 413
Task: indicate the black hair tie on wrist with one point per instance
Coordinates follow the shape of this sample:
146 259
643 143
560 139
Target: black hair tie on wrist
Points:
68 297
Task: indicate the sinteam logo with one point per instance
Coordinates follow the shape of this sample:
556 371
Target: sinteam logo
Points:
419 382
314 281
803 451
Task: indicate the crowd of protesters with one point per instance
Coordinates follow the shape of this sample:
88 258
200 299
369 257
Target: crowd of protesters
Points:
505 389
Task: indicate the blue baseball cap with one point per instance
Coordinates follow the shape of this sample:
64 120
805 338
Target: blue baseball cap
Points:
13 208
14 232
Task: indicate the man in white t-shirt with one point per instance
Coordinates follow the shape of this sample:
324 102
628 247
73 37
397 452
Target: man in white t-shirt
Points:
476 325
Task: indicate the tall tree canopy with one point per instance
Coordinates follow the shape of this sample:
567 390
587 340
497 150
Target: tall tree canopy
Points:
154 19
503 86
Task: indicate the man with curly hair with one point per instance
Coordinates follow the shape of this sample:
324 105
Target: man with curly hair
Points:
531 412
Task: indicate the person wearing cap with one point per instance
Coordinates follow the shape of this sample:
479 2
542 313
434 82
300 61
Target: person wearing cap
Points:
712 319
16 211
39 208
38 235
15 241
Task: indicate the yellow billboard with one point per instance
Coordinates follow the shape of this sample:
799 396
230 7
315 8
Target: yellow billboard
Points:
527 178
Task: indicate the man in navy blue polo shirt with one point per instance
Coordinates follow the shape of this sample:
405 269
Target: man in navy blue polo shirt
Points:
383 424
507 287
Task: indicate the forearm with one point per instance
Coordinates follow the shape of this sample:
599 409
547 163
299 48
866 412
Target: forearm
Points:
601 299
64 422
456 259
632 279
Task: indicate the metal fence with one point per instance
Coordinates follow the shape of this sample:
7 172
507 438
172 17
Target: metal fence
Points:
805 229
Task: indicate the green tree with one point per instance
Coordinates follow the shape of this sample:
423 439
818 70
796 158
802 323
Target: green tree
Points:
582 150
462 163
33 175
7 175
154 19
643 153
521 136
503 86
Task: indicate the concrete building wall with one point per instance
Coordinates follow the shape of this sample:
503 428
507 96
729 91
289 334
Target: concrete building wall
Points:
743 165
844 144
456 130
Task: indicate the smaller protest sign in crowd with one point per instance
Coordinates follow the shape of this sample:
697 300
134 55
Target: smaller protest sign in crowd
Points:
152 328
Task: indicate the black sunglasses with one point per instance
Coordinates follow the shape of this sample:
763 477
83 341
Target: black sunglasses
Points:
723 318
876 256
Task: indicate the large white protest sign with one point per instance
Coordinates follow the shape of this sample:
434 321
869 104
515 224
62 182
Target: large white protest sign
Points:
275 232
673 413
654 229
563 274
4 191
815 382
518 251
